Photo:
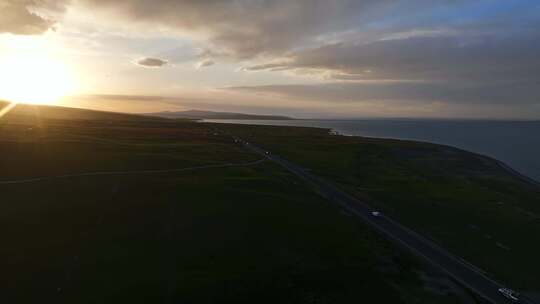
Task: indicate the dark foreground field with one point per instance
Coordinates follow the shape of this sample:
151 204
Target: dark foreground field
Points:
466 202
98 227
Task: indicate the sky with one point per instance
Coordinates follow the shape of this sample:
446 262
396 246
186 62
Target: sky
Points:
303 58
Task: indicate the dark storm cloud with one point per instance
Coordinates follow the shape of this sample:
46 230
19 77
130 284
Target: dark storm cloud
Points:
152 62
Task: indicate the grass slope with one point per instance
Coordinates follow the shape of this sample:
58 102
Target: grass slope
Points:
464 201
221 235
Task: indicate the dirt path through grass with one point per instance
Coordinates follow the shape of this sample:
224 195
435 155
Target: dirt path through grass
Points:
158 171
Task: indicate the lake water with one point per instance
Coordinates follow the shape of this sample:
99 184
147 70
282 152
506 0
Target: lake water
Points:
517 143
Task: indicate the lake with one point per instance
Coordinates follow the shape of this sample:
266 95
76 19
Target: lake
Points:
517 143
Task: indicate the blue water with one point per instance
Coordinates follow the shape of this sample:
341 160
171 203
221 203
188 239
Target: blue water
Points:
517 143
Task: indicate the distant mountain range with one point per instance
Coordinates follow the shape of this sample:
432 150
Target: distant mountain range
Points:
196 114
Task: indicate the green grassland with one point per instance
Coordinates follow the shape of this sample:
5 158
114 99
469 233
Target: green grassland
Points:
464 201
241 234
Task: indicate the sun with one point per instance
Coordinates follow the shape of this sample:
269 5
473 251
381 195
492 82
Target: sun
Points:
33 78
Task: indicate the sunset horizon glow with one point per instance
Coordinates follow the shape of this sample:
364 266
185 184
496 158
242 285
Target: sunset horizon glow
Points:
328 59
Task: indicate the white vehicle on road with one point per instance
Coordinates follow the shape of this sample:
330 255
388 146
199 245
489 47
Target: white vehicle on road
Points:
376 213
510 294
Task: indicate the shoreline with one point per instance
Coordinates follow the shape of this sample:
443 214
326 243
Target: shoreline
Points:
523 177
531 181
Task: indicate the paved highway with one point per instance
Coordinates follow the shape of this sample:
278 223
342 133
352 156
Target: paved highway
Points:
463 272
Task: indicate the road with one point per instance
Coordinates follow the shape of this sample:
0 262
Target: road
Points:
465 273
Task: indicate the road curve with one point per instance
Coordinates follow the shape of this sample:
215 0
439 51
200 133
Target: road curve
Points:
465 273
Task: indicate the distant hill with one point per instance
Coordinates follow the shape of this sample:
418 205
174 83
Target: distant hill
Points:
196 114
26 112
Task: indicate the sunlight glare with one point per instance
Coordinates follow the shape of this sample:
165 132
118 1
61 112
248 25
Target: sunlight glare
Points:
33 77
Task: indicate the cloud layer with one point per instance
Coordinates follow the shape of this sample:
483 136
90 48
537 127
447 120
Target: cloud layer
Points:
27 17
243 28
418 53
152 62
457 58
205 63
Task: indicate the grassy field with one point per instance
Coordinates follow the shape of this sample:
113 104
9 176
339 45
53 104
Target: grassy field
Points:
464 201
218 235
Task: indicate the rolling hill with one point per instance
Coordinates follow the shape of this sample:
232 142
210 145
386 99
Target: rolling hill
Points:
103 207
196 114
